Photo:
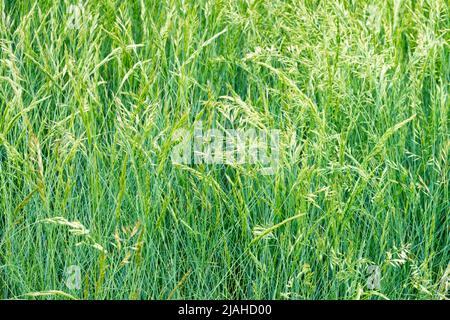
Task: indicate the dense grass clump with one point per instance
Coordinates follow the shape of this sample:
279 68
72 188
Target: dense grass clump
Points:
92 94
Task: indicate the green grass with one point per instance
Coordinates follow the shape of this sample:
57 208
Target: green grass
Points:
87 117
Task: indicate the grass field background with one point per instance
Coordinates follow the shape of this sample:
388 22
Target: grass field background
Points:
90 100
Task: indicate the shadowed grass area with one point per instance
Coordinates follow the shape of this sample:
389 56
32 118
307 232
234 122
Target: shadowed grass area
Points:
92 94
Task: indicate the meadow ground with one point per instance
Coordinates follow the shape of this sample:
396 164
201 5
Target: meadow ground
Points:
93 94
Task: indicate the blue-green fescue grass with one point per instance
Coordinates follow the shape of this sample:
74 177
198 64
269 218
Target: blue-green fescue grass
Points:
88 113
